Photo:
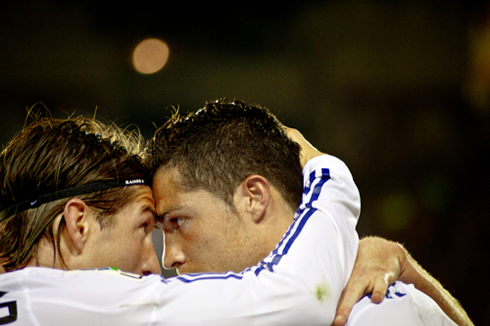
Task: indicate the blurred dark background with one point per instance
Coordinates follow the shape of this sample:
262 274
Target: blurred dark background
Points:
400 90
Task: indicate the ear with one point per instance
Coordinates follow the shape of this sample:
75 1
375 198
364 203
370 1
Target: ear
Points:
254 197
77 225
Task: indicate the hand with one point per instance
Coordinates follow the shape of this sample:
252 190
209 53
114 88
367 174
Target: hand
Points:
2 270
307 150
379 263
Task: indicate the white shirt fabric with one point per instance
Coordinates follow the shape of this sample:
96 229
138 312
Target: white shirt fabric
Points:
299 283
403 305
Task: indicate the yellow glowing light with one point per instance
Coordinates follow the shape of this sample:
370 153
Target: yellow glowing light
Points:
150 56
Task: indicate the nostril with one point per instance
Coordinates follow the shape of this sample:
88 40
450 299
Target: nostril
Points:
175 264
174 258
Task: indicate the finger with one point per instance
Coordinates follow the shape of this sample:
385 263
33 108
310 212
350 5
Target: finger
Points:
291 132
307 151
339 320
349 297
381 283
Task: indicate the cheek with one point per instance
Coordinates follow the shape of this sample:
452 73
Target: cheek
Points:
212 247
132 248
141 244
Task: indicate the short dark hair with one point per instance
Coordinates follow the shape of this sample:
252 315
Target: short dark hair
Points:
51 155
220 145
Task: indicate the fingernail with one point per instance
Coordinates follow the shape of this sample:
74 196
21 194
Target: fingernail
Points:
338 320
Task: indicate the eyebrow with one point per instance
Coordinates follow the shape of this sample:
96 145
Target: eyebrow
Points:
149 208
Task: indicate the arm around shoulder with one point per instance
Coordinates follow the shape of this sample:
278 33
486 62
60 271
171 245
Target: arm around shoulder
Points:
379 264
413 273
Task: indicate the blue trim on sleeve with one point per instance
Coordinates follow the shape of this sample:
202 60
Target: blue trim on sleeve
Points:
301 221
277 257
209 276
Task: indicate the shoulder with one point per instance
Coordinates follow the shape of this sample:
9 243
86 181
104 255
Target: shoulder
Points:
43 296
403 305
47 280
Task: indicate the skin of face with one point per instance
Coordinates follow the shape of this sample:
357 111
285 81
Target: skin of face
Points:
127 244
202 233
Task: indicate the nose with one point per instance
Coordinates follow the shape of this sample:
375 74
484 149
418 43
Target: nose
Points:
173 257
151 264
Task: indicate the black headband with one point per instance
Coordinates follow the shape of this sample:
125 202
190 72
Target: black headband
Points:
70 192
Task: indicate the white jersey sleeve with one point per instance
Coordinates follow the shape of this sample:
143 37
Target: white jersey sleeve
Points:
403 305
299 283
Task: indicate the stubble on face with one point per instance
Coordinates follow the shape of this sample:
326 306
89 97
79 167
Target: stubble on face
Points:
211 237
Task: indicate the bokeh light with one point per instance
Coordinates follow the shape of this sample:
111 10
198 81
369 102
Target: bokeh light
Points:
437 193
150 56
396 211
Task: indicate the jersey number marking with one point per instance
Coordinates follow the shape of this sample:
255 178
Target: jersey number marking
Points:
12 307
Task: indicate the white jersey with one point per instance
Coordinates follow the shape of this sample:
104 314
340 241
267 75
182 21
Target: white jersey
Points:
403 305
299 283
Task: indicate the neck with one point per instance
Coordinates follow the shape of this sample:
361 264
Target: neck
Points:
47 255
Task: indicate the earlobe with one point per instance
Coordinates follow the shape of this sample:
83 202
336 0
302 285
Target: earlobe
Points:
76 225
257 192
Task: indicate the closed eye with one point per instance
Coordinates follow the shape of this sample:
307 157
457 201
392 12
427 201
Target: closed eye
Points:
148 224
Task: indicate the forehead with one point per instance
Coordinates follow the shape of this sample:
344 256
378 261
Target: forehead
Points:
167 189
142 195
140 203
142 198
166 184
170 195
